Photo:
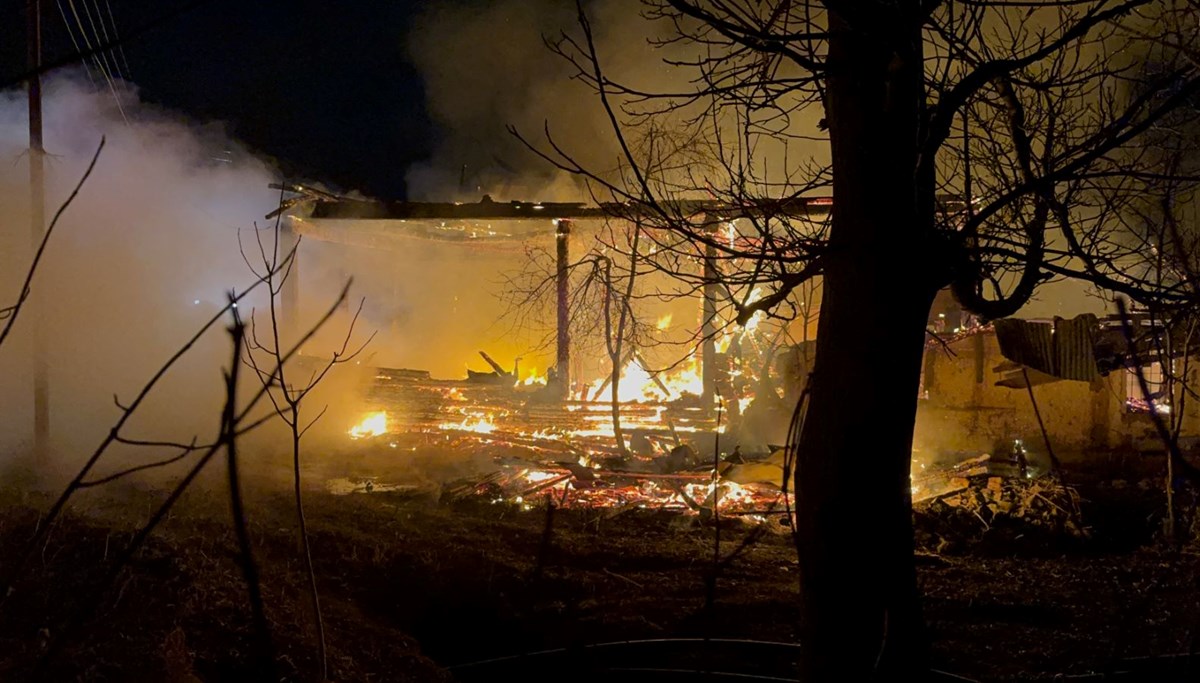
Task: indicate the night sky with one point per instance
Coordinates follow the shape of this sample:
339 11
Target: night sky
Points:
324 89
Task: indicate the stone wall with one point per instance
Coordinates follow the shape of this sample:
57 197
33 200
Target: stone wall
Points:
963 410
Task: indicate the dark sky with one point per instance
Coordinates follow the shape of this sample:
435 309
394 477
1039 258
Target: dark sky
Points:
324 88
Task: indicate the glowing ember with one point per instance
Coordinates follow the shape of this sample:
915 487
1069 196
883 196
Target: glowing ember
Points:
373 424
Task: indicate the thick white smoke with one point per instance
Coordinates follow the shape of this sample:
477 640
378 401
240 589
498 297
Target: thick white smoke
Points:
143 256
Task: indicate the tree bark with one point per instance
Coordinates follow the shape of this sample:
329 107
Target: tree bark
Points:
854 520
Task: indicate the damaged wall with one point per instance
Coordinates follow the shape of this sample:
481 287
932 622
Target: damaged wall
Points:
964 410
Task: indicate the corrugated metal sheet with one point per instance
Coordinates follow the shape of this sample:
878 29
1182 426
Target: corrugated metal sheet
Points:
1063 349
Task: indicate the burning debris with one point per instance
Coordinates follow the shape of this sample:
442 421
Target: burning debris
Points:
558 454
595 485
566 452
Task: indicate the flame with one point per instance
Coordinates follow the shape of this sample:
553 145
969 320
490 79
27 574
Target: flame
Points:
638 385
684 379
663 323
480 423
727 493
753 323
374 424
722 345
536 477
732 333
533 379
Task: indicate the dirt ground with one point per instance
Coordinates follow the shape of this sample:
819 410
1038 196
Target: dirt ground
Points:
412 587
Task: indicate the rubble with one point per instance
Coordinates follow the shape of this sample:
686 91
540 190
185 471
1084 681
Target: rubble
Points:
984 498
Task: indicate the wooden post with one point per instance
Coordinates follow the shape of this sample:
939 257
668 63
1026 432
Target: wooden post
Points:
562 235
708 321
37 221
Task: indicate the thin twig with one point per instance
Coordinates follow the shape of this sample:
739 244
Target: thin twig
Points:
114 436
92 601
265 649
11 312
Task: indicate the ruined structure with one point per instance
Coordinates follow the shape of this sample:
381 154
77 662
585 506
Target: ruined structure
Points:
976 399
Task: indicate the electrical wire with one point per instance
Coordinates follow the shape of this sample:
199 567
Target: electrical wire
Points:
101 65
87 41
117 39
113 67
74 42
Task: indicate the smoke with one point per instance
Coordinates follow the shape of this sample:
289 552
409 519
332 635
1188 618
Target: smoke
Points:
145 255
487 66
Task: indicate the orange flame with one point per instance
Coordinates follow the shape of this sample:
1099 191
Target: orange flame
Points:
374 424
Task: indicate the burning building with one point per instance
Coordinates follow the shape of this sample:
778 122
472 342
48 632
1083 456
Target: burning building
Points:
690 390
565 390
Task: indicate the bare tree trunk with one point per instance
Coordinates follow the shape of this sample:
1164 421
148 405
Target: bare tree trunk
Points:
616 338
853 519
305 546
613 344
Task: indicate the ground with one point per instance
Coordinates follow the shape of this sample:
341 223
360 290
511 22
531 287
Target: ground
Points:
412 587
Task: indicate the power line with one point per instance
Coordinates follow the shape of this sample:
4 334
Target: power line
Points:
103 29
103 55
74 42
103 70
137 31
83 35
117 38
87 41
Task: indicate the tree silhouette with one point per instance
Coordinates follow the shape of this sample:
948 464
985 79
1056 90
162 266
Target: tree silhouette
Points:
984 146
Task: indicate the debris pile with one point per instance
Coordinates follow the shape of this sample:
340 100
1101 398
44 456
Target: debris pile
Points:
935 482
985 499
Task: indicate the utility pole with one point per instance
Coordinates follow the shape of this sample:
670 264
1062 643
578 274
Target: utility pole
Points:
37 218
